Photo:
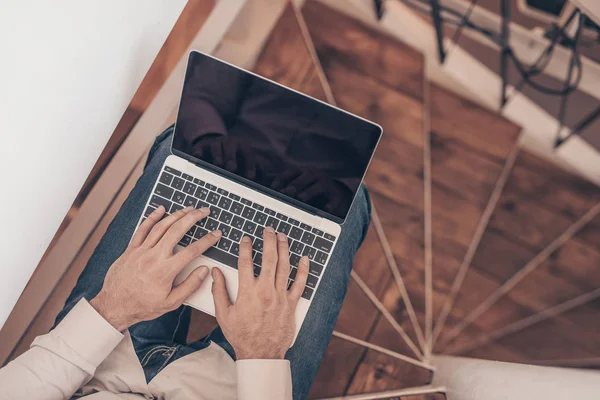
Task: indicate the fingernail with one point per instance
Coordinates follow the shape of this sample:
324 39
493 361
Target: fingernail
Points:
270 229
246 239
188 209
213 272
205 209
159 209
203 272
281 237
217 233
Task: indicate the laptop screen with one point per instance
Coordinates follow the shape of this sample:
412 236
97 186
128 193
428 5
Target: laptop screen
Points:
272 138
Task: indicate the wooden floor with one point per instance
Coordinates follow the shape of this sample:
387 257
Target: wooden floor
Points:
382 79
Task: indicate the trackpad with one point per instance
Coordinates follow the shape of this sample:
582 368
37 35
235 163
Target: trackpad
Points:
202 299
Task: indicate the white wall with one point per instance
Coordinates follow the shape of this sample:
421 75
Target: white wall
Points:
68 69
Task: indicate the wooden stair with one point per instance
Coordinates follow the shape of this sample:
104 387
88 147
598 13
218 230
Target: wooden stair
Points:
453 192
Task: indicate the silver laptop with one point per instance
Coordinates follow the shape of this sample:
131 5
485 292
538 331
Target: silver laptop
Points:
260 154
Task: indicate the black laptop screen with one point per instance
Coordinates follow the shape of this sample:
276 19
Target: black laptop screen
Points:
272 138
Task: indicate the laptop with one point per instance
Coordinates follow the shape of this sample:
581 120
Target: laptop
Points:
260 154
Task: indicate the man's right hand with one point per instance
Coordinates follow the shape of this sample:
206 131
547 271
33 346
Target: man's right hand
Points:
260 325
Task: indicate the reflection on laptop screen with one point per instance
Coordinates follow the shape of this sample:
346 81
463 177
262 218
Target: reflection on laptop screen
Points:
272 137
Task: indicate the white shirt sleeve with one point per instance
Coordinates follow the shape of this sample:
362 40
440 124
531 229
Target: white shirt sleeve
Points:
60 362
264 380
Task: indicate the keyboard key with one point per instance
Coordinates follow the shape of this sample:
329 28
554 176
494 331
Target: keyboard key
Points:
149 210
222 257
179 197
236 208
201 223
248 213
272 222
329 237
190 201
260 218
315 268
224 244
157 201
166 178
258 207
198 182
213 198
297 247
222 191
246 201
256 271
237 222
281 217
290 283
175 207
225 229
226 217
191 231
296 233
322 244
200 233
294 259
215 212
317 232
312 281
249 227
210 187
211 224
258 245
234 197
224 203
178 183
321 257
235 249
304 226
268 211
185 241
308 292
201 193
189 188
258 259
284 228
311 252
187 177
172 171
308 238
164 191
235 235
259 231
293 273
294 222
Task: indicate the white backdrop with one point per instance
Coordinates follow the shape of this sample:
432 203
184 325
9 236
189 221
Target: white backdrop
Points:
68 69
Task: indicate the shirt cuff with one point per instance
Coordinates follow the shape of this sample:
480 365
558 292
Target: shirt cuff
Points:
264 379
83 334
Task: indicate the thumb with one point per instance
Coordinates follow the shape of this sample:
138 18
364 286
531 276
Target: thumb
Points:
220 295
185 289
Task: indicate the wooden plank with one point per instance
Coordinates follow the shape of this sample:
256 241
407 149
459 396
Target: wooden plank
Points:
369 52
286 59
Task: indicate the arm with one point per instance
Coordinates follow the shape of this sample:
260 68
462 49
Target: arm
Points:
260 325
138 287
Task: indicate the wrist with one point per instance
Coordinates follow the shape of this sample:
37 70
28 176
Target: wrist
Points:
111 314
257 354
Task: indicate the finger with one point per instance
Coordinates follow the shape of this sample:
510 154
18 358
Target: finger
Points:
285 177
186 288
269 258
144 229
283 262
250 165
217 152
245 266
220 295
303 181
195 250
300 281
230 154
159 229
176 231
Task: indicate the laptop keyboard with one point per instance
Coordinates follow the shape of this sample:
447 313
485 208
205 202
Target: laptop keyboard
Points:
236 216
